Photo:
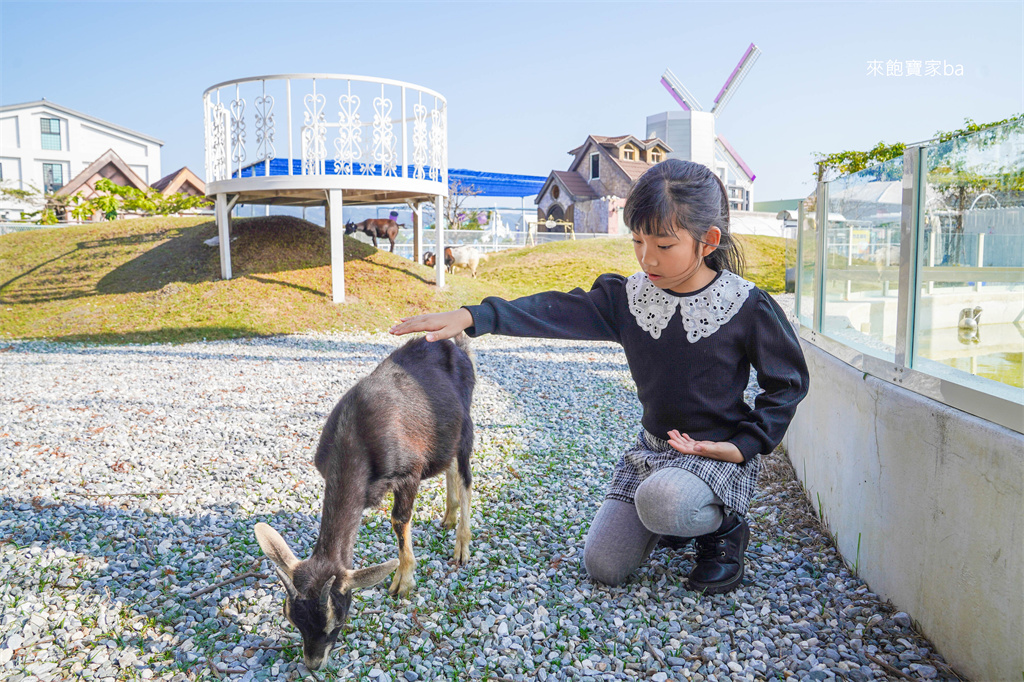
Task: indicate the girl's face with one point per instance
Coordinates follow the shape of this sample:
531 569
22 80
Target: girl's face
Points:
676 262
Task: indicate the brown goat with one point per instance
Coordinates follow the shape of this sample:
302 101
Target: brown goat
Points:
407 421
449 259
385 228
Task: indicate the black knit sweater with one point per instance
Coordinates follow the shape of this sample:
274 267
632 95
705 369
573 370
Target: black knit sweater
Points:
695 387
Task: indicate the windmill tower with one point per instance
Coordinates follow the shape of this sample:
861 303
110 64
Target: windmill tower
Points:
691 132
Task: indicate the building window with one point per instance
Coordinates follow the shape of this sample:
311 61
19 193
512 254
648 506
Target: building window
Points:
595 166
629 154
53 177
555 191
655 157
51 133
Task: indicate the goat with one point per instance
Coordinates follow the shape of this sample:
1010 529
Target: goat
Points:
407 420
467 257
429 260
385 228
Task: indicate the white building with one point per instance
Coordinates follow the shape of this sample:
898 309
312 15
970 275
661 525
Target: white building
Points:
43 145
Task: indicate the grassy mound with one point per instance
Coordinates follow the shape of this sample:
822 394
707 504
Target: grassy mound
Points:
154 280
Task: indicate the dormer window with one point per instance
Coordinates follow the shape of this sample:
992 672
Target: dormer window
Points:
656 156
629 154
595 166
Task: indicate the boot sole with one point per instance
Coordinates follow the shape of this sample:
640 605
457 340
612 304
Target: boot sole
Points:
725 585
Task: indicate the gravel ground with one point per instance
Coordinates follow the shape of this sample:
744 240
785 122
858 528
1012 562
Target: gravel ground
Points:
132 477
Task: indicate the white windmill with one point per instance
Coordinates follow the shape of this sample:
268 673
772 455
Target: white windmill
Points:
691 132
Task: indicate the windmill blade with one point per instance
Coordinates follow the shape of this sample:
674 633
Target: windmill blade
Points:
737 76
679 92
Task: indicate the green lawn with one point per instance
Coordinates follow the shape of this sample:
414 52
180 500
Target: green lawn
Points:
153 280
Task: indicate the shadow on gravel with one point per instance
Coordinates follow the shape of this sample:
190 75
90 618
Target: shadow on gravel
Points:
148 564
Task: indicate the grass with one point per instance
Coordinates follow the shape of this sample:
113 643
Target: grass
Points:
154 280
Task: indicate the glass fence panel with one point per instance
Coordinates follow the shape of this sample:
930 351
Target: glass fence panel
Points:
808 249
969 312
862 256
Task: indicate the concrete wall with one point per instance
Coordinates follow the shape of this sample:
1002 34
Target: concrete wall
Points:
935 498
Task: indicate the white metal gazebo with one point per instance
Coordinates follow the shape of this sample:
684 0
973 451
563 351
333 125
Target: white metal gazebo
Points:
359 141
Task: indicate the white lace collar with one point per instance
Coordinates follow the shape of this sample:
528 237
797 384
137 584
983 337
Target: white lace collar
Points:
703 313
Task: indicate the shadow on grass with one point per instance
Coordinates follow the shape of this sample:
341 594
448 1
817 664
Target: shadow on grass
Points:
162 335
258 246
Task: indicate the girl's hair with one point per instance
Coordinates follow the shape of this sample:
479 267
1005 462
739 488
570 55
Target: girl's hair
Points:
684 195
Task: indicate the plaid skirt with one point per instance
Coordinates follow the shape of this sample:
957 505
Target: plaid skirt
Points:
733 483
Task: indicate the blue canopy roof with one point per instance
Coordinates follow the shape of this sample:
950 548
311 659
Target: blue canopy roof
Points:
498 184
486 184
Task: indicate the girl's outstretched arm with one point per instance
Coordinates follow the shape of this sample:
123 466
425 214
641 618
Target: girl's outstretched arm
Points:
437 325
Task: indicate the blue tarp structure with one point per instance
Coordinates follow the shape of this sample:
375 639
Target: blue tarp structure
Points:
486 184
498 184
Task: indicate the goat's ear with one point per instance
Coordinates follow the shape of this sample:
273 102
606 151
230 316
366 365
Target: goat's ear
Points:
276 549
367 577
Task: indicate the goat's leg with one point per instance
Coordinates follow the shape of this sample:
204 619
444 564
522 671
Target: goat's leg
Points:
374 238
464 481
462 534
401 521
452 484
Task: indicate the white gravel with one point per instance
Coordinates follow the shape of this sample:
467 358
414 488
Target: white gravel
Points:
131 477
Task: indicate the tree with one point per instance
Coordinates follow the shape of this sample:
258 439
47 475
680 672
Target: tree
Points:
458 192
112 200
51 207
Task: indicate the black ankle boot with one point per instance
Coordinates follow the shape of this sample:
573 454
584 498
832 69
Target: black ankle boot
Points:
719 567
673 542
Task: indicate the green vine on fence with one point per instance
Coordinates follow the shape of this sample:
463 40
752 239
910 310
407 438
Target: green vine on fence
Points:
848 162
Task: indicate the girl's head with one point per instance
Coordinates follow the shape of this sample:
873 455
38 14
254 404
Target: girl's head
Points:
682 195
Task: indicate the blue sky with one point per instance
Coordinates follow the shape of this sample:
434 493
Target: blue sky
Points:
528 81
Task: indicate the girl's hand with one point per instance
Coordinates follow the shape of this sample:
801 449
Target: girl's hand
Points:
439 325
725 451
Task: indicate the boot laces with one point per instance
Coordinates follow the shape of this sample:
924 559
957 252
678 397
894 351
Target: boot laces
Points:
707 548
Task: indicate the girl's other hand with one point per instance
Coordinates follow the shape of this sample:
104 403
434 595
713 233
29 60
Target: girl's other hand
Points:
438 325
724 451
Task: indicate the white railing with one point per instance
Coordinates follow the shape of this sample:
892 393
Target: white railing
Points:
325 130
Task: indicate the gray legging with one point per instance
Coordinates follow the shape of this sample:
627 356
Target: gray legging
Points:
671 501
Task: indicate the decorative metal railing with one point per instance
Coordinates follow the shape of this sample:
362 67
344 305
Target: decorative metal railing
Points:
326 128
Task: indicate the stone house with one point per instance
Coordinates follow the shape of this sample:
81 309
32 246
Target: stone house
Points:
592 192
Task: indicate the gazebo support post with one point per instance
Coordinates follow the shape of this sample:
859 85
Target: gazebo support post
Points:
222 210
439 228
336 227
417 232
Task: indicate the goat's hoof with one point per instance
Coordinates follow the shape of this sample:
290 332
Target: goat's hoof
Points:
449 521
402 586
461 552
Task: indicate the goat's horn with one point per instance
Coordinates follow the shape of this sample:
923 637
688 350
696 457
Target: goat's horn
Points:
325 594
289 587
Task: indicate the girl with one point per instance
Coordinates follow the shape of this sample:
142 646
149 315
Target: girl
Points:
691 328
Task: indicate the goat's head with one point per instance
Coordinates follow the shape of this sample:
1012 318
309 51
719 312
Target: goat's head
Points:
428 259
317 595
350 227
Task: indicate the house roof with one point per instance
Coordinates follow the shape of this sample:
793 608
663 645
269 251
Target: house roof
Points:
575 184
634 169
172 183
618 141
109 165
72 112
